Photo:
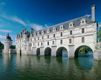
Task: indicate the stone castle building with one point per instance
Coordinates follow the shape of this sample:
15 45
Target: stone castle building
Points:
64 37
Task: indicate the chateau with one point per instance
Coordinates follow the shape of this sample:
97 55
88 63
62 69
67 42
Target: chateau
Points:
61 38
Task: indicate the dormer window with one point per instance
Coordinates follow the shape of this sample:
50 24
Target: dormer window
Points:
82 22
42 32
54 29
38 33
71 24
48 31
61 27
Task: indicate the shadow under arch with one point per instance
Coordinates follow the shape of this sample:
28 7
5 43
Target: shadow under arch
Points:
47 51
83 51
61 52
38 51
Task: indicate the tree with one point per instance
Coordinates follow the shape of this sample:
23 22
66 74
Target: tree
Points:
12 47
99 35
1 46
84 50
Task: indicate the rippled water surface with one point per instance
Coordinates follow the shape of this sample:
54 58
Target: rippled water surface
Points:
13 67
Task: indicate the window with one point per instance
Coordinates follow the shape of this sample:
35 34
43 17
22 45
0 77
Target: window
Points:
52 42
47 43
61 34
61 27
36 33
53 35
61 41
83 21
38 38
71 24
83 30
83 40
70 41
41 43
38 44
71 32
42 37
47 36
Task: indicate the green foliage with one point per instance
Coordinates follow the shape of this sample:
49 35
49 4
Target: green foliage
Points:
1 46
84 50
99 35
12 47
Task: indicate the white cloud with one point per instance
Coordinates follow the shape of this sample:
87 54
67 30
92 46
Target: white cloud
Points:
1 36
14 19
5 31
36 27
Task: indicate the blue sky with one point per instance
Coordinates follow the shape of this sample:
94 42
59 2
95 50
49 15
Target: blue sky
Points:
17 14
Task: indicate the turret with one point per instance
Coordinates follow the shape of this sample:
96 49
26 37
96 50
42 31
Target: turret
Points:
7 44
93 11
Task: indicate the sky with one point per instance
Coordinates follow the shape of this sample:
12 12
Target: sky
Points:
16 15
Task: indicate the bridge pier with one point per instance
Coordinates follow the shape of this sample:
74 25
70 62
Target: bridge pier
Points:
97 54
42 51
71 51
34 51
53 51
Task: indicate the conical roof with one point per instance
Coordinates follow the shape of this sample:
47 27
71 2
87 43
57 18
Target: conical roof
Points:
8 37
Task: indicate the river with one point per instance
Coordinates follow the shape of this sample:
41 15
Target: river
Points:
14 67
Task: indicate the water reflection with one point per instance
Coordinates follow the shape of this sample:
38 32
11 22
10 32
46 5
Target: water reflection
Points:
49 68
84 63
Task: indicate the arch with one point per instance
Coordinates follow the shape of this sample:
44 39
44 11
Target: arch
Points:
83 50
61 52
47 51
38 51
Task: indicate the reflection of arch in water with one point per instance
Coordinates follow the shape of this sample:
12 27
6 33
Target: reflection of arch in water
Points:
47 51
47 59
62 52
38 51
84 63
83 51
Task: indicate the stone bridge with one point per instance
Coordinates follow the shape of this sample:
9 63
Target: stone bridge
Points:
66 37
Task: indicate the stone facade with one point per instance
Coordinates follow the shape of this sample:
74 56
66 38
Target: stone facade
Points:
67 36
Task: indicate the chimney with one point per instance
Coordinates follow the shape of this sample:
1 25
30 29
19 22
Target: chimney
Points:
93 15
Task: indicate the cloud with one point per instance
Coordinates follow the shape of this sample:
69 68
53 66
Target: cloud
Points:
2 37
36 27
5 31
15 19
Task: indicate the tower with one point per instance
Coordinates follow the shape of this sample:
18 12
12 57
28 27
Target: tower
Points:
7 44
93 11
